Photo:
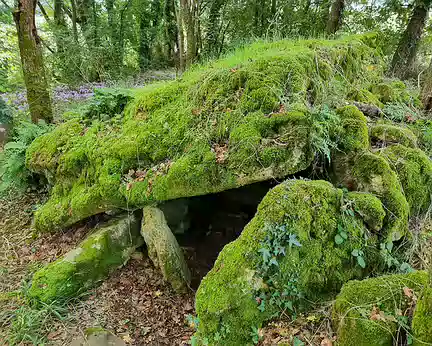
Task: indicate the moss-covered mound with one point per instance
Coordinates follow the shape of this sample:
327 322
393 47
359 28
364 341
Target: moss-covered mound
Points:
366 312
235 121
103 251
414 170
386 134
306 240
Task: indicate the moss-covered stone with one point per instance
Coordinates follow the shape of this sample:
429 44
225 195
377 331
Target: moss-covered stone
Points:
315 265
366 97
369 208
355 135
414 170
393 92
232 122
369 172
390 134
164 250
364 312
104 250
422 319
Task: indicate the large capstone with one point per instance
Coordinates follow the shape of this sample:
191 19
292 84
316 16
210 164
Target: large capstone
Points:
164 250
108 247
305 241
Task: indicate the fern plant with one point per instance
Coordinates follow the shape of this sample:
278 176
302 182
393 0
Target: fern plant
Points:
13 173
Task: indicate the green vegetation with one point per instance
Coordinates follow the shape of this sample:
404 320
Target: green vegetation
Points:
370 312
287 257
213 119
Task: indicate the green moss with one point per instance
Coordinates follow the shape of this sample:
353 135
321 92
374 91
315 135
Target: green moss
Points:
365 96
222 125
353 308
98 255
390 134
422 319
355 135
393 92
370 209
414 170
371 173
310 211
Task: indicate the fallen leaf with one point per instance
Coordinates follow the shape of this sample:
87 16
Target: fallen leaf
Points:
326 342
127 339
408 292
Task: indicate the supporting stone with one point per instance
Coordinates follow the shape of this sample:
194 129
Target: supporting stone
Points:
164 250
104 250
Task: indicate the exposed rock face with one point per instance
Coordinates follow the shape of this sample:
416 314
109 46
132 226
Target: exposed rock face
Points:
299 248
164 250
365 311
104 250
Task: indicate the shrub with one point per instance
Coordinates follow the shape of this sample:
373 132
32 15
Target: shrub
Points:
13 173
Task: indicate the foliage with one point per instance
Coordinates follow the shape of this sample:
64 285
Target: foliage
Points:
14 176
5 113
106 104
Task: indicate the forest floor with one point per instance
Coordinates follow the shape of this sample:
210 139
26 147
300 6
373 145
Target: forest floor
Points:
134 303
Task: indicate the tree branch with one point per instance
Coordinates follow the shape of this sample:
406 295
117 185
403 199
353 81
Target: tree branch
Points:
48 20
6 4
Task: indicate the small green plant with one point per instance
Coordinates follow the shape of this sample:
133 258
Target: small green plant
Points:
255 335
107 103
13 173
281 293
359 255
324 124
400 112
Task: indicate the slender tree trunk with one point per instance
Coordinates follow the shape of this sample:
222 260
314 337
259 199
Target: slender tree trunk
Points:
29 42
404 57
187 11
181 39
426 93
74 21
60 26
335 16
211 46
171 33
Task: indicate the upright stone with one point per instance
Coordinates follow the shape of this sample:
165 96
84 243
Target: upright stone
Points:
164 249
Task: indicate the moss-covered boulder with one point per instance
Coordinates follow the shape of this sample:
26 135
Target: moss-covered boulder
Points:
422 319
385 134
164 250
354 136
414 170
369 172
393 92
232 122
365 312
305 241
104 250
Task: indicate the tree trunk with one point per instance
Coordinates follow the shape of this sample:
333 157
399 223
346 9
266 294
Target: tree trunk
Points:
187 13
404 57
335 16
170 25
29 42
74 21
181 42
426 93
212 40
60 26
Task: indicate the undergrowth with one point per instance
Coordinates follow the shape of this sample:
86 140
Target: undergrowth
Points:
14 176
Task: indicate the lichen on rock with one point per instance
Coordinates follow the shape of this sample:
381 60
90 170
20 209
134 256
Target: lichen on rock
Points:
300 247
164 250
365 312
105 249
